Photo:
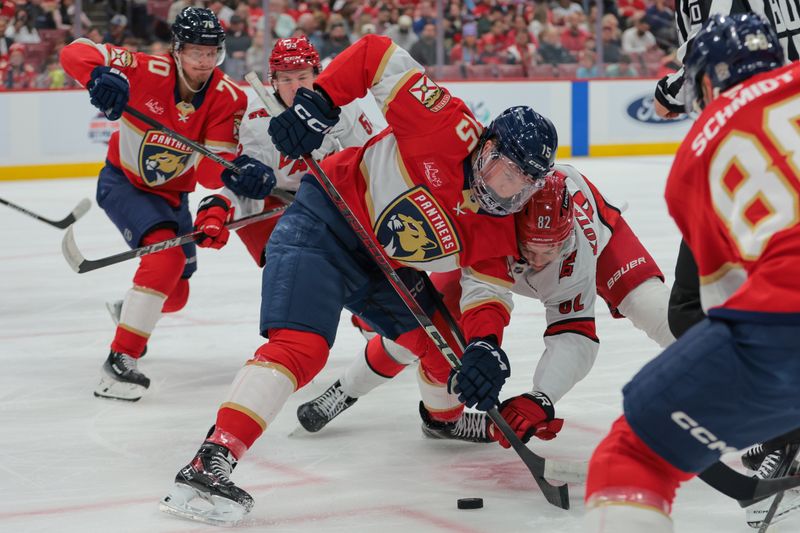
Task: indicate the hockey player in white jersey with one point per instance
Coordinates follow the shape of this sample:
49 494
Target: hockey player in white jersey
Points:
573 245
294 63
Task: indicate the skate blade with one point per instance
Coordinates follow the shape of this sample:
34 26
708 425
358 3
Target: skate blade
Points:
299 431
223 512
790 503
119 390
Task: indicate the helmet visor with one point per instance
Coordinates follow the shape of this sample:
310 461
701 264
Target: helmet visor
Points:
198 54
500 186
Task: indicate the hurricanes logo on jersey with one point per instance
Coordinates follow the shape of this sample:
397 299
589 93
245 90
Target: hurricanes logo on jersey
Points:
415 228
162 158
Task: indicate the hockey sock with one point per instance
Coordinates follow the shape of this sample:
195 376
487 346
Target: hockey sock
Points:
623 469
442 405
156 277
261 388
374 367
141 309
178 297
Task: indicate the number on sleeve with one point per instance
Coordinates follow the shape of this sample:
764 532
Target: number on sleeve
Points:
158 66
467 130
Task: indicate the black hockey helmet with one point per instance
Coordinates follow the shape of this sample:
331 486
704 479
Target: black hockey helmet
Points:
197 25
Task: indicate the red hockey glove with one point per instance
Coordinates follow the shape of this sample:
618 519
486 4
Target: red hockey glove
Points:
528 415
212 214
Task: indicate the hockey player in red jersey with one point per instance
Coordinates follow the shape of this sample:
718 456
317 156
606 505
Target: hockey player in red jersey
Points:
294 63
734 192
145 183
435 189
573 245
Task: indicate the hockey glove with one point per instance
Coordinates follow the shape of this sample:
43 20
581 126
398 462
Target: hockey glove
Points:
212 214
109 91
484 369
301 129
255 179
528 415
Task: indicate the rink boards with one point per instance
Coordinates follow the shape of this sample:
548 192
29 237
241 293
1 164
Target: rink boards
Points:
46 134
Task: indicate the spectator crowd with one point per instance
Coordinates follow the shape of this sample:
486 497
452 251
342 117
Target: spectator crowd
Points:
481 38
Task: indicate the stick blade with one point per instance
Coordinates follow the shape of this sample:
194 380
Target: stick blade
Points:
71 252
81 209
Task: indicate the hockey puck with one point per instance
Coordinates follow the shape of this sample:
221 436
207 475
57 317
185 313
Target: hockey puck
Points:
470 503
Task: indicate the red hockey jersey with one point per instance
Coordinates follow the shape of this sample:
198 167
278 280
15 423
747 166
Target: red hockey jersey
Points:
151 160
734 191
408 182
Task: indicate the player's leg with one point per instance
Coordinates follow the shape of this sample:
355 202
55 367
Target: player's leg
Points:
381 360
142 219
722 386
255 236
312 271
632 285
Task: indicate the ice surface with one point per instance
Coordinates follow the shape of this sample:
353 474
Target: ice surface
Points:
75 463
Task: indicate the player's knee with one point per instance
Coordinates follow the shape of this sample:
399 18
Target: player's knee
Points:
176 300
623 462
162 270
387 358
433 362
301 353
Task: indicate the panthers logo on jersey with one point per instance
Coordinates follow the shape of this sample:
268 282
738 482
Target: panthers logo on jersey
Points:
162 158
414 228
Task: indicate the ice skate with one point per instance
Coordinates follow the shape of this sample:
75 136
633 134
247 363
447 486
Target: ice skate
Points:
121 379
115 310
780 462
470 427
204 492
316 414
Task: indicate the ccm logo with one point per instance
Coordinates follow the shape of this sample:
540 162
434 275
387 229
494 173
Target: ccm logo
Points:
700 433
624 270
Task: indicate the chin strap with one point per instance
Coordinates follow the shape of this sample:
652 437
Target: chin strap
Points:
183 77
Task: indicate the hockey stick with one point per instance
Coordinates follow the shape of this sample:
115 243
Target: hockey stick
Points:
77 212
80 264
771 513
199 148
556 495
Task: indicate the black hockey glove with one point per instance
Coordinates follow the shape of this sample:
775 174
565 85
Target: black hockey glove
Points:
255 179
109 91
301 129
484 370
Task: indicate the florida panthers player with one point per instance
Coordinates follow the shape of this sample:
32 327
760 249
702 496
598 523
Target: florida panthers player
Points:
434 188
293 63
572 246
732 379
145 182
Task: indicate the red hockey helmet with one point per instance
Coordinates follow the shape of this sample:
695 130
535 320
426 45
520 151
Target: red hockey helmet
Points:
294 53
547 217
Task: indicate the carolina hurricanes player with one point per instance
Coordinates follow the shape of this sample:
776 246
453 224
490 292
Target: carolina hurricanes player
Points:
573 245
293 63
435 189
145 183
733 378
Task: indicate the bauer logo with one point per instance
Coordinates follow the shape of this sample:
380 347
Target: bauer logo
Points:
414 228
644 110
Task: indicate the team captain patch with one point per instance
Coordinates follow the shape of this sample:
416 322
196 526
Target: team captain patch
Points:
429 94
414 228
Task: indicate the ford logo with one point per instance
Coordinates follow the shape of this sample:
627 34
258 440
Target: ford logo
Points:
644 110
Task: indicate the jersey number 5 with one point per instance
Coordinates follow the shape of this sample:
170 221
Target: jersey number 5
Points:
752 194
468 130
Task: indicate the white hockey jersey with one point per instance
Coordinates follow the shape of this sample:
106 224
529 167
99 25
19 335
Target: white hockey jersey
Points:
567 288
353 129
